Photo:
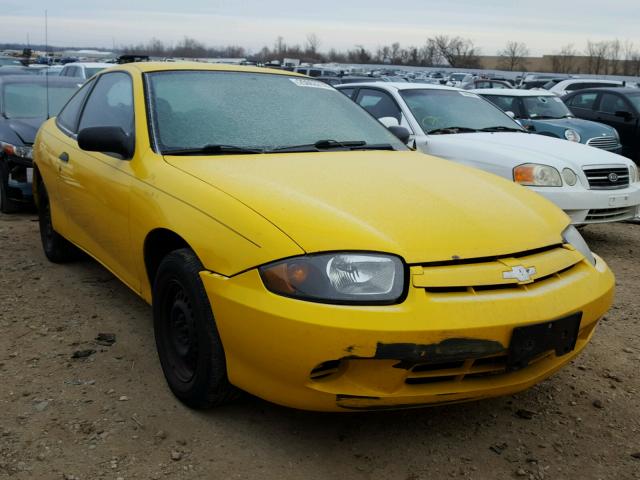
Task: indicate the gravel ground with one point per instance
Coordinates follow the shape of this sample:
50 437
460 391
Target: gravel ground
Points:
110 415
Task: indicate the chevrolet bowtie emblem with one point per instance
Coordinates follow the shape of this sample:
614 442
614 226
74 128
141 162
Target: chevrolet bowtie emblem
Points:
522 274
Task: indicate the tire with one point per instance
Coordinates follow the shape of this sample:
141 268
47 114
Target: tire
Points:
6 204
187 339
56 248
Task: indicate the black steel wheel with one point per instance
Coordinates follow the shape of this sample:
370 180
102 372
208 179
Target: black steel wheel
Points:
187 339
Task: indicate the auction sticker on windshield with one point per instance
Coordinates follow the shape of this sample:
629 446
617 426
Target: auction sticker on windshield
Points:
303 82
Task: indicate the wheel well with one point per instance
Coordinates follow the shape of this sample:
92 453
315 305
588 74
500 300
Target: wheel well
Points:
158 244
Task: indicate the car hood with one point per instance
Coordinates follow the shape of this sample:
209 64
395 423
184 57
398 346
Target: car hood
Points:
25 128
510 149
586 128
421 208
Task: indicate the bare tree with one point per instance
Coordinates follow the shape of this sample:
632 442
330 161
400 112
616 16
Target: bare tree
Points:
457 51
564 60
512 57
429 54
614 49
312 44
189 48
280 47
596 53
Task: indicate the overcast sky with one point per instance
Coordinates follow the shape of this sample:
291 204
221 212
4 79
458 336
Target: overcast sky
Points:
544 25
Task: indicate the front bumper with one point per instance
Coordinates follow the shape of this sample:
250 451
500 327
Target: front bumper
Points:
329 357
594 206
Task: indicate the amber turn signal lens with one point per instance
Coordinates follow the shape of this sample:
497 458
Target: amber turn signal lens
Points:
524 174
297 273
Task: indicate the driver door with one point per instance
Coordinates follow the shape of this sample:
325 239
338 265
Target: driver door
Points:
95 187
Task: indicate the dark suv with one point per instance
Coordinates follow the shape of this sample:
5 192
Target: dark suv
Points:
617 107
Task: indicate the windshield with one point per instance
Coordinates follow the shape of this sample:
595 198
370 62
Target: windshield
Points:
90 72
195 109
444 109
545 107
24 100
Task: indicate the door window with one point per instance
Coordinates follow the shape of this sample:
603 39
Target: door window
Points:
110 103
347 91
68 117
610 103
584 100
379 104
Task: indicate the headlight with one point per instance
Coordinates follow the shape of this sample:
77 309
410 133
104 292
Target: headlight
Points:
569 176
23 152
360 278
573 238
572 135
536 175
633 174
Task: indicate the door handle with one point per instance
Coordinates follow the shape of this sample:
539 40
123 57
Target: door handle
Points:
64 157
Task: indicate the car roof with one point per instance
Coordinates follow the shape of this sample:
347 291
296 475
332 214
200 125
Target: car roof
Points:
514 92
586 80
403 86
149 67
623 90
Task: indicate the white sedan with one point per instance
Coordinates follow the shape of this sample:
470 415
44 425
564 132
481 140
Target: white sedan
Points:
591 185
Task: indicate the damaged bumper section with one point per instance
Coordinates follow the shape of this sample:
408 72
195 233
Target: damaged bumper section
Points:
434 348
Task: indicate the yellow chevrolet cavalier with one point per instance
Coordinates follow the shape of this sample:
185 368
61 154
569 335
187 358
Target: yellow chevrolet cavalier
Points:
293 248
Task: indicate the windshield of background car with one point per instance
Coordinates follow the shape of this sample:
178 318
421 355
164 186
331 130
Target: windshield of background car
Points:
438 109
545 107
25 100
192 109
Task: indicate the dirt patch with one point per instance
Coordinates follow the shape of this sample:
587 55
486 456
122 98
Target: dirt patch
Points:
75 405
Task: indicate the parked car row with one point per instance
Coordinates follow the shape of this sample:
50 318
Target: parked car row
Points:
591 185
293 247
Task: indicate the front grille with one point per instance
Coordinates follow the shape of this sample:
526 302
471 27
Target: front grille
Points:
606 142
457 371
607 178
610 214
495 274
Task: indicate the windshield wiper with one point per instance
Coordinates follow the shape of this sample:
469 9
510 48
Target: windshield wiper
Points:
500 129
213 149
331 144
447 130
545 117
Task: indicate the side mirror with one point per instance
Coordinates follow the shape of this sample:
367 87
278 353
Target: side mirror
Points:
624 115
389 121
511 114
402 133
106 140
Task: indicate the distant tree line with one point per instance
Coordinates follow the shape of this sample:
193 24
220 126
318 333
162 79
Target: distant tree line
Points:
600 58
441 50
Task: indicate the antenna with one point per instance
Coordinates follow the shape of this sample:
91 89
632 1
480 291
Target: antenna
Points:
46 54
